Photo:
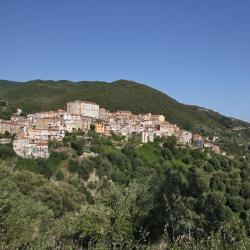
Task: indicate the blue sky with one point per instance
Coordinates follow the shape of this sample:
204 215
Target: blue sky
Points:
195 51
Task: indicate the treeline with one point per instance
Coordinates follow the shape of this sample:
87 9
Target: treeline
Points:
125 196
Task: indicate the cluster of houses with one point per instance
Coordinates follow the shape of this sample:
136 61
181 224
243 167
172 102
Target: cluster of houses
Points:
34 131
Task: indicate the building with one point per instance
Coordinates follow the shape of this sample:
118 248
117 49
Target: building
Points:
47 114
74 122
5 141
213 147
34 131
103 113
41 150
198 140
27 149
100 128
185 137
124 113
83 108
158 118
12 127
216 149
147 136
47 123
167 129
45 134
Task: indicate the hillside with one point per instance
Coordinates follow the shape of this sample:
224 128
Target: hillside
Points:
152 197
98 192
41 95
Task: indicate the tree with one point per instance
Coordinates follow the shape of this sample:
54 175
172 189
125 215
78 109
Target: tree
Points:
167 154
170 143
236 203
24 222
112 222
6 152
245 190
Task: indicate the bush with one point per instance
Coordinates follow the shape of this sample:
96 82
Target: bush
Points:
118 176
58 156
226 165
73 166
215 162
78 146
86 169
167 154
59 175
209 167
247 204
28 164
245 189
170 143
236 203
6 151
217 183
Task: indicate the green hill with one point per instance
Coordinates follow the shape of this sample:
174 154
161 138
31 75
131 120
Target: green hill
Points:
129 196
41 95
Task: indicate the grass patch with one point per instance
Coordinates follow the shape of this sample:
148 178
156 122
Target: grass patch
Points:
149 153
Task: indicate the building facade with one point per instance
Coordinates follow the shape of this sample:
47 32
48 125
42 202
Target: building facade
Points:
83 108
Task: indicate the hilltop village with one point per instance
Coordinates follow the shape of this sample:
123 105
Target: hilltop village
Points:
33 132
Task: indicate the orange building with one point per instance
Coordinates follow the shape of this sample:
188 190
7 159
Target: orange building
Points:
99 128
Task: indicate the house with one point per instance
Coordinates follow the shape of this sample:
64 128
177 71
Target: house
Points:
185 137
216 149
47 114
167 129
27 149
143 116
103 114
9 126
198 140
74 122
22 147
158 118
85 123
48 122
147 136
5 141
83 108
213 147
40 150
146 123
100 127
45 134
124 114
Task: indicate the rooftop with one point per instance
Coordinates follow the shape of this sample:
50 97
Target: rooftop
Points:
87 102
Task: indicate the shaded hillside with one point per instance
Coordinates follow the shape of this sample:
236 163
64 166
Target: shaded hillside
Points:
41 95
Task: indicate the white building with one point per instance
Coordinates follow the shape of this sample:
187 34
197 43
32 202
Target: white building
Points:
83 108
185 137
147 136
158 118
45 134
25 148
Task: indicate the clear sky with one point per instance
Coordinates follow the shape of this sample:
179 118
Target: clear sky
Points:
195 51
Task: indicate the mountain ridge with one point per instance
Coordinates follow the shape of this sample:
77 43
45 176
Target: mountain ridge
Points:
41 95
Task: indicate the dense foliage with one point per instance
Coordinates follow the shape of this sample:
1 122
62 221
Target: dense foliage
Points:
104 193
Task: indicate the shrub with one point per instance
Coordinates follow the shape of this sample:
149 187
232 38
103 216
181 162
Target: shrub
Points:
236 203
6 152
59 175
